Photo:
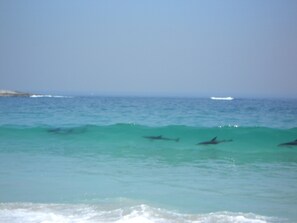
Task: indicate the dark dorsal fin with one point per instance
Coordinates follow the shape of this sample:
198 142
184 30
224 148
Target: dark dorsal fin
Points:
214 139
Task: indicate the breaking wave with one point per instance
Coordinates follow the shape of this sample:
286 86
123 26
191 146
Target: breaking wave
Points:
29 212
47 96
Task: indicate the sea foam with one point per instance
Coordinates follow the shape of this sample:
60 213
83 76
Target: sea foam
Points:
47 213
47 96
222 98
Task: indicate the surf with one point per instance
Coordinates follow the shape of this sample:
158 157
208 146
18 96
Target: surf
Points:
142 213
222 98
48 96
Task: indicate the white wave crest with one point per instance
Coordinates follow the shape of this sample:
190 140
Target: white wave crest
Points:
47 96
222 98
58 213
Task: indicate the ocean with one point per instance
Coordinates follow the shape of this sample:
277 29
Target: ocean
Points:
133 159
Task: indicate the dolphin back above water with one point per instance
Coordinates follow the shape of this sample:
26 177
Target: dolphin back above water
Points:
160 137
293 143
214 141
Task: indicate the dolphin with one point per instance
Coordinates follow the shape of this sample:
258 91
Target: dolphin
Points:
160 137
214 141
66 131
293 143
60 130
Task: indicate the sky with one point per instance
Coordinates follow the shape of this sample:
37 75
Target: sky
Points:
197 48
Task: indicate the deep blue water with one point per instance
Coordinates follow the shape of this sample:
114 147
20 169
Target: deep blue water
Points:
88 159
148 111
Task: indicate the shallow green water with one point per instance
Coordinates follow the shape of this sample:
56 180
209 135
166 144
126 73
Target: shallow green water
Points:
59 156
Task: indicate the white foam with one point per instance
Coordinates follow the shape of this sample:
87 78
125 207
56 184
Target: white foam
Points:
228 126
222 98
47 96
58 213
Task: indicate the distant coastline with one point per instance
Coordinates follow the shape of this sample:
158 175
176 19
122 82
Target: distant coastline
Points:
9 93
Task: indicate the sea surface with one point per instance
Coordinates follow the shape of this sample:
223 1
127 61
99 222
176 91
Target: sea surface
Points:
132 159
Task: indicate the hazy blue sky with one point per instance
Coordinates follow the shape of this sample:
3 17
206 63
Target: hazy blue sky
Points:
152 47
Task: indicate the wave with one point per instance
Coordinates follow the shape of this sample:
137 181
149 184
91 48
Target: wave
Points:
47 96
29 212
222 98
172 130
166 134
169 143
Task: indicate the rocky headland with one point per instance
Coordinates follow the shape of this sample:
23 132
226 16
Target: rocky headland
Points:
9 93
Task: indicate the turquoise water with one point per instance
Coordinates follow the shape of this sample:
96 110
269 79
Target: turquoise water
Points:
86 159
